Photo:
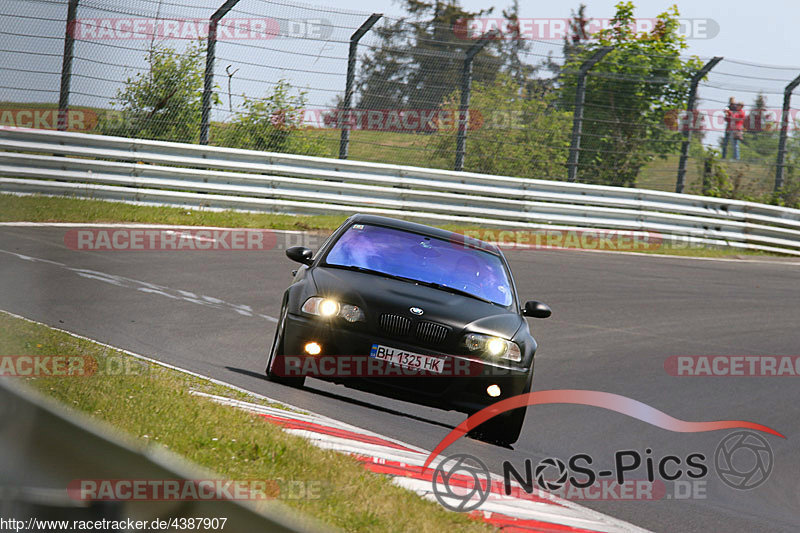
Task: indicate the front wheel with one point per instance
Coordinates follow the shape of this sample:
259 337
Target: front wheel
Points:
504 429
277 351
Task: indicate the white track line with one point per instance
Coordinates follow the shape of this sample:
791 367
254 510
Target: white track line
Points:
150 288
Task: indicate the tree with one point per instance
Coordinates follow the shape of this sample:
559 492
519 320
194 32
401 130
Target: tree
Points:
578 33
274 123
512 47
628 95
420 58
761 134
163 103
510 133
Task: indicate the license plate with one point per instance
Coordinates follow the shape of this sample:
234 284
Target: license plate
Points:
413 361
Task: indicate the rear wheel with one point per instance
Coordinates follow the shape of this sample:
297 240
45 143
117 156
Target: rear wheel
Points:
277 351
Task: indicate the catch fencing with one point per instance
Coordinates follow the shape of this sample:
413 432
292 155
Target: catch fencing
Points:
495 94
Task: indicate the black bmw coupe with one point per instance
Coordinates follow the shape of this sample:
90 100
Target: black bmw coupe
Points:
409 311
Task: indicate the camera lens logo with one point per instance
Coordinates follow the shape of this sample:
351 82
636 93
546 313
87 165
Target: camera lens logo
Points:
552 483
743 460
461 482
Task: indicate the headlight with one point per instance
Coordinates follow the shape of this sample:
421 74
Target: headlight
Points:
351 313
328 308
493 347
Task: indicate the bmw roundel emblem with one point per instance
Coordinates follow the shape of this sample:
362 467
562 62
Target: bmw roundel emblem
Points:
416 310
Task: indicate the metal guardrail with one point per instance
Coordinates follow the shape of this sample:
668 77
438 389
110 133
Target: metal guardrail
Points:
94 166
45 448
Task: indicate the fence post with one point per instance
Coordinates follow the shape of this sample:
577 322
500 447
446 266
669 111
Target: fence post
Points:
344 114
699 75
66 65
466 87
208 78
781 162
577 119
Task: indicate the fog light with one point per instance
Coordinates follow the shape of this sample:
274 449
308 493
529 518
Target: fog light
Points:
313 348
493 391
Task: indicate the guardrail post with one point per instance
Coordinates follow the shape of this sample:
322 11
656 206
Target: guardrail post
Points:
577 119
208 78
466 87
781 162
699 75
66 65
344 113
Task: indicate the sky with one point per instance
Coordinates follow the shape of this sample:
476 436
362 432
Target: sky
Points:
763 32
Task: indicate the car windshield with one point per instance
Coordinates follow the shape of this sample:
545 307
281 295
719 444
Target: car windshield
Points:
428 260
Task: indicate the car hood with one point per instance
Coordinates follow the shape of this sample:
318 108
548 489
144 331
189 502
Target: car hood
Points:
378 295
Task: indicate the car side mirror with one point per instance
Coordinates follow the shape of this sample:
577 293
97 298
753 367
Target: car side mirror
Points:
301 254
536 309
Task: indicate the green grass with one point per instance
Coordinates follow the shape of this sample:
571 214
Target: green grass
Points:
722 253
748 177
754 178
156 408
662 174
57 209
385 147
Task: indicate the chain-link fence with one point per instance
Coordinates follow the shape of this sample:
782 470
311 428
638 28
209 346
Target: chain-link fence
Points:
491 94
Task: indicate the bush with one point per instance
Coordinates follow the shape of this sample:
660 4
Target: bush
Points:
509 133
272 124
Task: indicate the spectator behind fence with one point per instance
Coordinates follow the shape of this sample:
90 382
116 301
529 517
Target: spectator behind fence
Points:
734 127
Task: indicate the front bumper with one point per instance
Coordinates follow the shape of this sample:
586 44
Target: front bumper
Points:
344 358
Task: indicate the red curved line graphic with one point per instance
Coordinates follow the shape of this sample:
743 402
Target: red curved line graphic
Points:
605 400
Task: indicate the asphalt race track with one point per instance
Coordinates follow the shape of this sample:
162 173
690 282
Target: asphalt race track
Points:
616 319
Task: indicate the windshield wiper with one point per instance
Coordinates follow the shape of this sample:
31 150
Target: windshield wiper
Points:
432 284
370 271
453 290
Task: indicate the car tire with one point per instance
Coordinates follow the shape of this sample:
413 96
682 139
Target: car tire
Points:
277 350
504 430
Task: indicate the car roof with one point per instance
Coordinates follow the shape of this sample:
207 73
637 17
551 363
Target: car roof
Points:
418 228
